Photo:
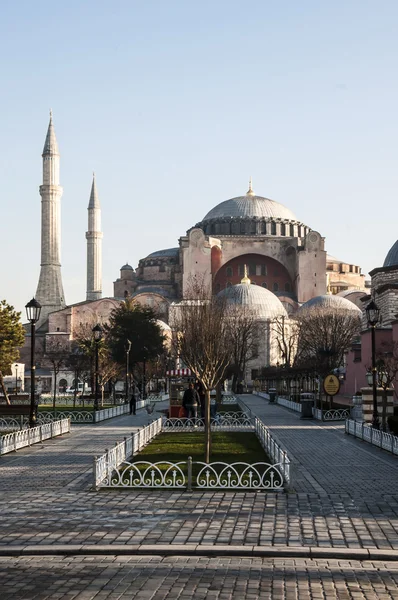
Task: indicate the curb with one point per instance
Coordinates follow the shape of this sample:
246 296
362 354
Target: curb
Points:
311 552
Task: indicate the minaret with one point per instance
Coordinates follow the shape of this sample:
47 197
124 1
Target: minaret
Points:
94 246
50 291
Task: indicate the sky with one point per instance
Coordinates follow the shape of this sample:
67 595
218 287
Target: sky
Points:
175 104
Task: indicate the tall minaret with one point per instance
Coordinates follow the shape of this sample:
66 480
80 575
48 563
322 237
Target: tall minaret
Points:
94 246
50 292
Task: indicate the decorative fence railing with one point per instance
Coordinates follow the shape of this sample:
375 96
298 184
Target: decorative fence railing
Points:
333 414
222 422
296 406
157 397
26 437
109 462
113 469
373 436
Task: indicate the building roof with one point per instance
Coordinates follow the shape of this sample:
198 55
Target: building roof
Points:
391 259
166 252
330 301
263 301
94 200
250 205
126 267
50 145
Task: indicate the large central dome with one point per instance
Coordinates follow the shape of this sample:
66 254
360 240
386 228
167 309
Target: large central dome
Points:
250 206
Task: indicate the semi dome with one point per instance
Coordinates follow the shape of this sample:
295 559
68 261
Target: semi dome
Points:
392 256
250 206
331 301
264 302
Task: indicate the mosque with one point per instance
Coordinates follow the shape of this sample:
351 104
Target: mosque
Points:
287 264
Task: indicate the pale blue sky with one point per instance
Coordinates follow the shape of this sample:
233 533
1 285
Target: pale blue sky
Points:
175 104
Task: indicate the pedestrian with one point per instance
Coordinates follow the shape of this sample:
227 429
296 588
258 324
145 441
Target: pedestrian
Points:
133 400
190 402
202 399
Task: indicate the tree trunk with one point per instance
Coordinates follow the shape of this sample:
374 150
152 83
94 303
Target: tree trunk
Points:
75 390
207 427
3 387
55 391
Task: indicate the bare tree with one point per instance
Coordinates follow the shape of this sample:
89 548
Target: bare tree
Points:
387 371
108 371
245 332
57 353
202 340
286 336
324 337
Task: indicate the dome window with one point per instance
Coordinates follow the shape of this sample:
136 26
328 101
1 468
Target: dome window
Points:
263 227
264 284
243 227
263 269
252 269
276 287
253 227
292 230
283 229
273 228
229 272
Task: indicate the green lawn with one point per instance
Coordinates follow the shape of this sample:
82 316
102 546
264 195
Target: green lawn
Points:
228 408
227 447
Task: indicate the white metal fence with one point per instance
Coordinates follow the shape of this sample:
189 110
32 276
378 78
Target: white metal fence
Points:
26 437
296 406
373 436
109 462
113 469
335 414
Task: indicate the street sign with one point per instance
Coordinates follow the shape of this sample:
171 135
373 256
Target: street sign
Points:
331 385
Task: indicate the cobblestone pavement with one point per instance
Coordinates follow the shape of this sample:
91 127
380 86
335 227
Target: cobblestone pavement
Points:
326 461
45 495
66 461
171 578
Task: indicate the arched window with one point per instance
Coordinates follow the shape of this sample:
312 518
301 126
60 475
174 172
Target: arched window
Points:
126 293
273 228
283 229
243 227
253 283
229 272
235 228
287 287
264 284
292 230
263 269
229 284
276 287
252 269
253 227
263 227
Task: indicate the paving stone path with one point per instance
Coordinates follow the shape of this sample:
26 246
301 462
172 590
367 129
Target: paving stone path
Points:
171 578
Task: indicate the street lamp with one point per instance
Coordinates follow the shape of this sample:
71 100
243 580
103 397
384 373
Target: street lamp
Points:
372 315
127 348
97 332
33 309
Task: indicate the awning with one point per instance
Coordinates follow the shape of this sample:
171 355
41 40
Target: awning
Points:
179 373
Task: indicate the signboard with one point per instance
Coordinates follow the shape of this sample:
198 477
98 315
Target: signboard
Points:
331 385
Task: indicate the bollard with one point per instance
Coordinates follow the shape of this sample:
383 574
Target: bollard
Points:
189 464
95 474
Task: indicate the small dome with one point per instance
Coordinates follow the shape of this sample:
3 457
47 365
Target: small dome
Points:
163 326
330 301
392 256
126 267
266 304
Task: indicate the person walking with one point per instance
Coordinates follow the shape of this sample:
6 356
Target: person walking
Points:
190 402
202 399
133 400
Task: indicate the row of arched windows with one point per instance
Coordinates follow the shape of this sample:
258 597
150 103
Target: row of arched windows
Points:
254 228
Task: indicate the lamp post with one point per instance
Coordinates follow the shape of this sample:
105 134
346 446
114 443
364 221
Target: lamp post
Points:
33 309
97 331
128 348
372 315
16 380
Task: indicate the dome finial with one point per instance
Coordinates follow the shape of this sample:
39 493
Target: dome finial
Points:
250 191
245 278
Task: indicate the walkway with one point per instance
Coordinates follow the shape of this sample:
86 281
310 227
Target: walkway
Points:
326 460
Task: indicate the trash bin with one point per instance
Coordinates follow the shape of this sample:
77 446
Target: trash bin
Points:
272 394
307 404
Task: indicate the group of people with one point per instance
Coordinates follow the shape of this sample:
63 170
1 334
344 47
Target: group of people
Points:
193 402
